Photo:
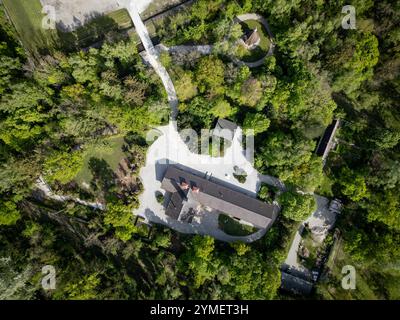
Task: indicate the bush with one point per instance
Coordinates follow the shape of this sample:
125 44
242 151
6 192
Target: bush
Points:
240 178
159 197
266 193
240 175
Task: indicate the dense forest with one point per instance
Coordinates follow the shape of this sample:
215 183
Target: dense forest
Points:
56 109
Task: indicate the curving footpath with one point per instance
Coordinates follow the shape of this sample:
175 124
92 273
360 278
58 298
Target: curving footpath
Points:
152 56
263 21
45 188
207 49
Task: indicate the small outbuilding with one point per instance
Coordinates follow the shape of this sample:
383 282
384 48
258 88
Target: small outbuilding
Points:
225 129
327 142
252 39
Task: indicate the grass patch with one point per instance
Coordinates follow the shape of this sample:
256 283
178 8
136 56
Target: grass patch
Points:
325 189
234 228
26 16
157 6
260 51
111 152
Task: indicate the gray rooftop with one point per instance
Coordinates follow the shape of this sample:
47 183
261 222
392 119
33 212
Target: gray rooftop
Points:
326 142
295 284
225 129
219 197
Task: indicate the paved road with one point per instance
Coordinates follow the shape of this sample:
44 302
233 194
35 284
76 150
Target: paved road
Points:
152 56
272 181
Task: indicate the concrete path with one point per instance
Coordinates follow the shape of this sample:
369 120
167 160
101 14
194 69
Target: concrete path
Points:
272 181
152 55
205 50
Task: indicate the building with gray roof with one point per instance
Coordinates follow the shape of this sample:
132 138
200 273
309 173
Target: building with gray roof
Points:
225 129
190 191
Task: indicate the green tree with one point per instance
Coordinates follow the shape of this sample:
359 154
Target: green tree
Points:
9 213
296 206
240 248
384 208
353 185
85 289
120 217
257 122
63 166
210 74
222 109
27 109
85 66
354 63
308 176
199 261
185 85
251 92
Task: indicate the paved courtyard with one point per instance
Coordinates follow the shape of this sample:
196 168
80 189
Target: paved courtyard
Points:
169 148
71 14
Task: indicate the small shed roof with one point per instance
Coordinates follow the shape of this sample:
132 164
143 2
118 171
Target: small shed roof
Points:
253 38
225 129
326 142
295 284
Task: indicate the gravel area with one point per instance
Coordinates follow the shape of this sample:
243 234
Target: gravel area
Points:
71 14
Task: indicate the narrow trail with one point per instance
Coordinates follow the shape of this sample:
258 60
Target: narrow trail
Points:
42 185
152 57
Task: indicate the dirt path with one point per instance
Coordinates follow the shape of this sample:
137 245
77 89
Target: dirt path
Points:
45 188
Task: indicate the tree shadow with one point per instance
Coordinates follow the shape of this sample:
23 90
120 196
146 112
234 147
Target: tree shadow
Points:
91 32
133 138
104 178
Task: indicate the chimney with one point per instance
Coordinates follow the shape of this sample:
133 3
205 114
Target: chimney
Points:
184 185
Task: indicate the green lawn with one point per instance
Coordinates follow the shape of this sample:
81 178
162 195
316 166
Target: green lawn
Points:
325 189
157 6
27 18
262 50
111 152
234 228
